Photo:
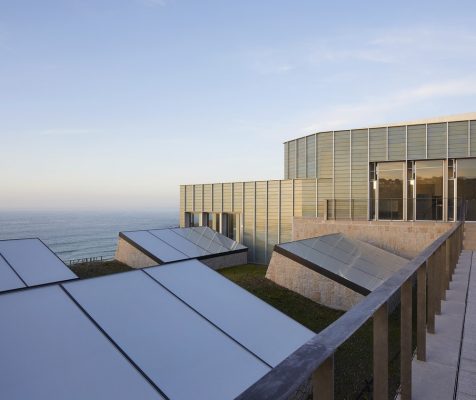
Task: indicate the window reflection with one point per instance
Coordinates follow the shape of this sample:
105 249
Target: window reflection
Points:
429 190
390 190
466 171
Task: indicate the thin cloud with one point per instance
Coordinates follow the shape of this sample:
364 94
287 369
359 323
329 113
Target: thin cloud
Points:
374 109
266 61
69 132
407 45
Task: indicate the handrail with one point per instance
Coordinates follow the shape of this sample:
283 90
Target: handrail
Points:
285 379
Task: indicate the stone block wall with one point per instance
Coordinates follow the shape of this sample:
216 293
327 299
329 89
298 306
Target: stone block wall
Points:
314 286
129 255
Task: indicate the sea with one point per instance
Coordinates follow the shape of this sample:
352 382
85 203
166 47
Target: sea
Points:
75 235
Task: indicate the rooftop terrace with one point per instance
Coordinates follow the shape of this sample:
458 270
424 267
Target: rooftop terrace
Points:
437 314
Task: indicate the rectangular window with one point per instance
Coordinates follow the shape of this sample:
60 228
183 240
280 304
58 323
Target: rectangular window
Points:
410 190
390 190
429 190
451 188
467 187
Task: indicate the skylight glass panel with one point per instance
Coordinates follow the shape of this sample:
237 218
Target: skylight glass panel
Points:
34 262
182 352
267 332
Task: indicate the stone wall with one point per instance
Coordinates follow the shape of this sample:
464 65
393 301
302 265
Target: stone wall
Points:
129 255
405 239
314 286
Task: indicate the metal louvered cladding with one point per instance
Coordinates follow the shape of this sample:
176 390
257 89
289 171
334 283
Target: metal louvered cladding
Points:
286 160
198 197
227 197
325 154
437 140
292 159
378 144
249 215
396 143
286 202
189 198
342 174
301 158
416 142
473 138
311 156
217 197
261 216
207 198
360 171
308 197
273 216
325 160
237 196
297 198
182 205
305 198
458 139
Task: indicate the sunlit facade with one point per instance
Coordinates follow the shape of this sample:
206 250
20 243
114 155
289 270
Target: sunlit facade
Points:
416 171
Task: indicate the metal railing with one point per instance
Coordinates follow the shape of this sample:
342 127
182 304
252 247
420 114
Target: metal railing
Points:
432 270
420 208
88 260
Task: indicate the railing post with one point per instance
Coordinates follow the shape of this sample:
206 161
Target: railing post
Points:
437 274
443 273
431 294
421 313
448 263
451 257
380 335
323 381
406 340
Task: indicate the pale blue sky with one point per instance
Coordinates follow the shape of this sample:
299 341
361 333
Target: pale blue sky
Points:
113 104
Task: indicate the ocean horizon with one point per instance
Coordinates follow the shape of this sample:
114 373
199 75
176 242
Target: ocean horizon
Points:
74 235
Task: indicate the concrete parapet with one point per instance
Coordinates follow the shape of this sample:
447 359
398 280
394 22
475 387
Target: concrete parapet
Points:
314 286
131 256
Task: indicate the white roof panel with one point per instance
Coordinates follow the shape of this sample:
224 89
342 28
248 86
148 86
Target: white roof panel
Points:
156 247
176 244
184 354
362 266
267 332
34 262
8 279
179 242
51 350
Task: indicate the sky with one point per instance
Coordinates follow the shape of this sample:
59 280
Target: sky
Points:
111 105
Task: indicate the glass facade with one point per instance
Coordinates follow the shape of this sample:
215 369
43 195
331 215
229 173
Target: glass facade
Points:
405 172
466 172
429 190
390 190
451 189
410 190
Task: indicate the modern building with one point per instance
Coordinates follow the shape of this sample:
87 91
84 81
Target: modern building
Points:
409 171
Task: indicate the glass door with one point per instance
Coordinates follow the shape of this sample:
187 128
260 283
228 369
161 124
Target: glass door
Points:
390 190
466 186
429 190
